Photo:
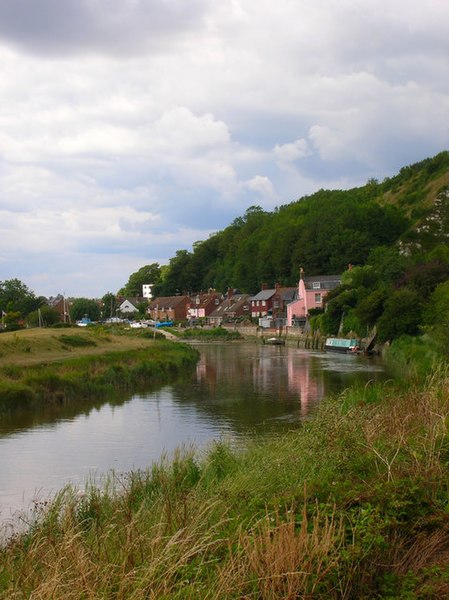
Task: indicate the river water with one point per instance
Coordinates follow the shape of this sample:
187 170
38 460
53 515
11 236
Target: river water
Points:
238 391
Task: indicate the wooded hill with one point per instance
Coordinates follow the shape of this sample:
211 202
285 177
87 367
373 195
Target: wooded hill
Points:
322 233
393 233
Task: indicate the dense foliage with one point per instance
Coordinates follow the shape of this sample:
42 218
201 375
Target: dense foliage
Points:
394 232
149 274
322 233
84 307
17 301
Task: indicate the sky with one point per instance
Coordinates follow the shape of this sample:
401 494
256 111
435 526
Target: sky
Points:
130 129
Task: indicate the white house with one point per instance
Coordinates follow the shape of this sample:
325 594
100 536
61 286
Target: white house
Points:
147 290
127 307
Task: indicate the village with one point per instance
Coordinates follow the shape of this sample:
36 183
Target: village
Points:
277 308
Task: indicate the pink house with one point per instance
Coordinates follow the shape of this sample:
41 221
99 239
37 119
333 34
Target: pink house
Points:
311 293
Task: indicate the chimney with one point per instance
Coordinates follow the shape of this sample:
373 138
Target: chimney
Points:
264 286
229 293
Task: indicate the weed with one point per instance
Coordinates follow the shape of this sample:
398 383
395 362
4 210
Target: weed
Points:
76 341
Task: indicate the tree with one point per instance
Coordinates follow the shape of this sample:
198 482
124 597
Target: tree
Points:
436 316
402 315
359 277
12 320
371 307
15 296
83 307
425 277
179 276
109 303
147 274
388 263
43 316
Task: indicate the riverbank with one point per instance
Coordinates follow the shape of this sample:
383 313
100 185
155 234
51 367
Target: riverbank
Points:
214 334
354 505
59 365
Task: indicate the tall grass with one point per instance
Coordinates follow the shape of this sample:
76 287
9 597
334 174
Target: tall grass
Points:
216 333
94 375
413 358
354 505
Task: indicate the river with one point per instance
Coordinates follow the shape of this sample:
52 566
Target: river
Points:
238 391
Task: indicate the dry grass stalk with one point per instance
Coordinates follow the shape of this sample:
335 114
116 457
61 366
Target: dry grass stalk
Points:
134 560
412 428
279 560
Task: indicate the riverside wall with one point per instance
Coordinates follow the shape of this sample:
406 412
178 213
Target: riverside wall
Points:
291 335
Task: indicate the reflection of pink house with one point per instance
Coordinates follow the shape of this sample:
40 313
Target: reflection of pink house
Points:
303 380
311 293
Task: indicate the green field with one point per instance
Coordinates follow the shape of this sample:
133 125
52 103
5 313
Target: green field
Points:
58 365
33 346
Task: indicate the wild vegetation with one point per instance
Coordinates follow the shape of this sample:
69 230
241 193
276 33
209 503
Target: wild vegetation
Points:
45 365
215 333
322 233
354 505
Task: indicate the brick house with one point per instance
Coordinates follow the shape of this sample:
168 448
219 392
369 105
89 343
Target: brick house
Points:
168 308
202 305
272 302
235 305
62 306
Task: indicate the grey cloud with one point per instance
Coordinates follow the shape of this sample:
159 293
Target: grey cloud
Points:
116 27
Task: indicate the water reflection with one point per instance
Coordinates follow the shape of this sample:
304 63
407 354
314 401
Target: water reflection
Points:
237 391
255 389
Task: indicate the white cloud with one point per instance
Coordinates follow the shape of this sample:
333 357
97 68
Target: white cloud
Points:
287 154
261 185
131 128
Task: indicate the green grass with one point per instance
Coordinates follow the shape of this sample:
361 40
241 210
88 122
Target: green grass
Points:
76 341
38 346
216 333
93 375
353 505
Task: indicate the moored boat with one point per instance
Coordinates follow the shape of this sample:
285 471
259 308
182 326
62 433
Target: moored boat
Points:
275 341
342 345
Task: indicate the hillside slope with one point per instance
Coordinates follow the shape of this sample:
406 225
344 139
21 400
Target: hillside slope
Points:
322 233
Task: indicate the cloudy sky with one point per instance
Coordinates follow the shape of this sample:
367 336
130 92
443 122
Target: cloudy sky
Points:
130 129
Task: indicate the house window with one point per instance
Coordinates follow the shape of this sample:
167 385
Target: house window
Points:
264 303
276 304
316 285
318 299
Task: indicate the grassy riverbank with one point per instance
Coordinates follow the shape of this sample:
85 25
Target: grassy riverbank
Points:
354 505
219 334
51 365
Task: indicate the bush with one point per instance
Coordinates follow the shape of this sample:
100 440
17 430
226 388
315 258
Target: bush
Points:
402 315
76 341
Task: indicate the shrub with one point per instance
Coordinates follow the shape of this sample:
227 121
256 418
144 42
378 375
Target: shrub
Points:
76 341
